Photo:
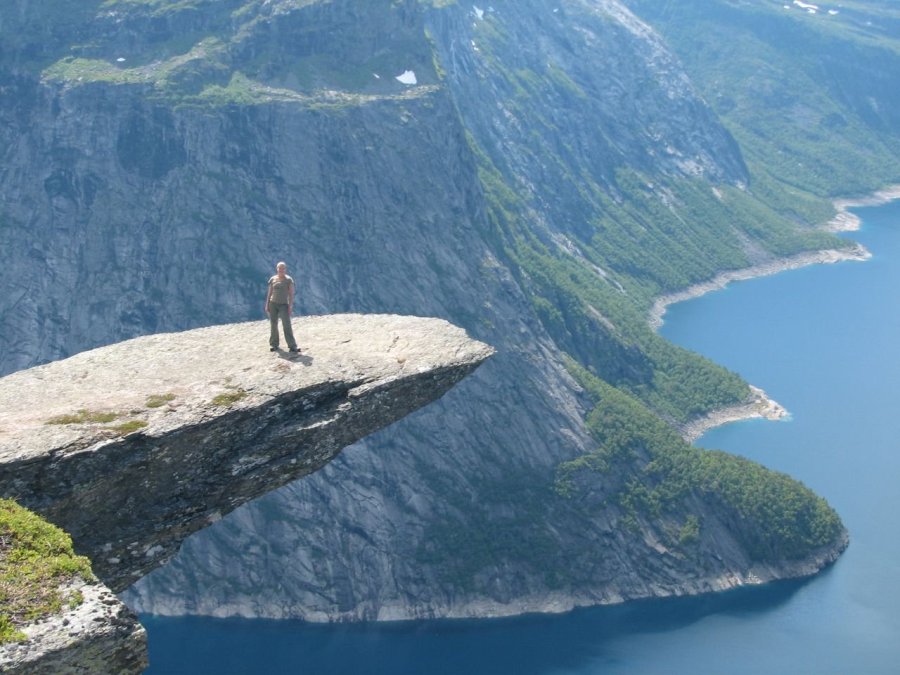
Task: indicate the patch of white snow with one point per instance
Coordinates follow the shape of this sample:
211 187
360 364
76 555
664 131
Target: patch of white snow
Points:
479 13
407 77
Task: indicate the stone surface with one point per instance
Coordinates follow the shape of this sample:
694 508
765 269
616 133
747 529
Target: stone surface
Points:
241 421
101 635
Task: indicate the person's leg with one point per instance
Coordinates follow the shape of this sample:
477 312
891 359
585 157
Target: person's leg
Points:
273 325
288 331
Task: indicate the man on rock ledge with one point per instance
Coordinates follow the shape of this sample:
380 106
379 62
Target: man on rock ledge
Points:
279 303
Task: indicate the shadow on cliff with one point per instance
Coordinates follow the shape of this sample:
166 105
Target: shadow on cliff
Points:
302 358
584 641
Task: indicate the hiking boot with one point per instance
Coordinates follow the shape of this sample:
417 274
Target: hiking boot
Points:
273 349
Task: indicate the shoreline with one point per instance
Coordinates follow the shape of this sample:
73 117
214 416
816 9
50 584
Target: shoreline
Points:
760 405
774 266
844 221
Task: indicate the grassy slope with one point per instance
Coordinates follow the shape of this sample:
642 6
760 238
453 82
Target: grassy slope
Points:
784 520
789 519
227 52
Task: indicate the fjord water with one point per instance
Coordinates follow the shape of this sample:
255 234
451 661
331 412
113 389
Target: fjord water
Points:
824 341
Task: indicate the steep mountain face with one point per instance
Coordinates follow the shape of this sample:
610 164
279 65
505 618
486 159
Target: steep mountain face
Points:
590 70
829 122
534 174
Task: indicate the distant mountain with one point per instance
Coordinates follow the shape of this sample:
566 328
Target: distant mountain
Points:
535 173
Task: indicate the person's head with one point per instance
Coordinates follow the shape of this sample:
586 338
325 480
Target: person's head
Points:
281 269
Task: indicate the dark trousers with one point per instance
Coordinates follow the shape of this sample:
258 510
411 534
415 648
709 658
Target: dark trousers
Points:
280 310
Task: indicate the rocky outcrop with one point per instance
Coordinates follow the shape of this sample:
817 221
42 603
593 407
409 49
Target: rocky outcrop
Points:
132 447
375 204
100 635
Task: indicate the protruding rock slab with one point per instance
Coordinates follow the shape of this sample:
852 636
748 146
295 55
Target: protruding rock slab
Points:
206 420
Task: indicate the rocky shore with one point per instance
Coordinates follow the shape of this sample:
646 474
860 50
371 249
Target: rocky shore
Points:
846 221
760 405
764 269
99 635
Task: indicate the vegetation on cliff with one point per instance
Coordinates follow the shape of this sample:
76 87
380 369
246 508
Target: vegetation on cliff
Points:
784 520
644 234
36 564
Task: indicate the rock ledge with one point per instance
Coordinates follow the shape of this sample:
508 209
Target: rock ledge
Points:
132 447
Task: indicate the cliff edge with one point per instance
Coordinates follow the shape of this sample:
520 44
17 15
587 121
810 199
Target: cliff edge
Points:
132 447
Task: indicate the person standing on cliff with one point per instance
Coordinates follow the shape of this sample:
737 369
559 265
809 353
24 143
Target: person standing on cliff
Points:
279 303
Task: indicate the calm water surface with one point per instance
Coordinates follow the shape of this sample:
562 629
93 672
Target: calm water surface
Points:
824 341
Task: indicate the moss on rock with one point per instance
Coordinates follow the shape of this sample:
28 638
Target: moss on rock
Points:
36 561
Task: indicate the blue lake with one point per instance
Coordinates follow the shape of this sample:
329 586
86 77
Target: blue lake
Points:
823 341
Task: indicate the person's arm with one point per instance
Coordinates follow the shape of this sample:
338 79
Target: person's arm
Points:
268 293
290 297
